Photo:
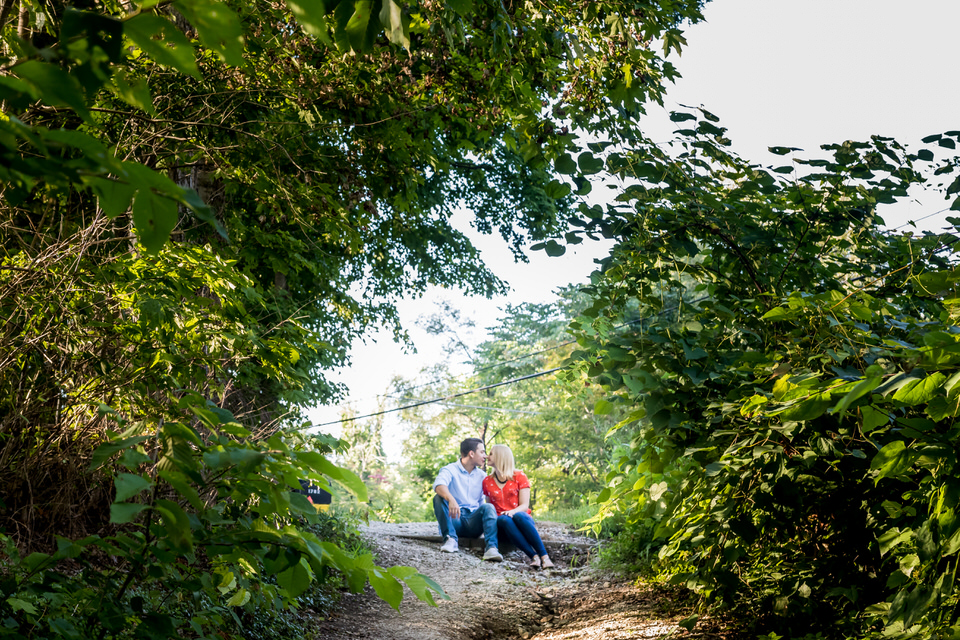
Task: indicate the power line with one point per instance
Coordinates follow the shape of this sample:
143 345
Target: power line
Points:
569 342
435 400
504 362
548 349
914 222
474 406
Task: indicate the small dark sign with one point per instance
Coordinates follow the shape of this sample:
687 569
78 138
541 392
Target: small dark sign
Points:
314 493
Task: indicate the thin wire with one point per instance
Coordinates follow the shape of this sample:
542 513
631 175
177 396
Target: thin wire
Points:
536 353
435 400
913 222
569 342
474 406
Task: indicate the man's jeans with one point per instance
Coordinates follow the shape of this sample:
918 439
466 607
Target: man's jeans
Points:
522 532
470 524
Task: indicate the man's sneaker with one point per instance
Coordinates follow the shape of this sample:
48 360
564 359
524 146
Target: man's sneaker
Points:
450 545
492 555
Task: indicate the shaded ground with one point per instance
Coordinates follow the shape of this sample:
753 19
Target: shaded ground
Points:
505 600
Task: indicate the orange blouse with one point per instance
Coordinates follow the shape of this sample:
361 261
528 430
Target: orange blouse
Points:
508 496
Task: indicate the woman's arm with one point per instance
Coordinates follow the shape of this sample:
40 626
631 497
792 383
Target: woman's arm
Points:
524 498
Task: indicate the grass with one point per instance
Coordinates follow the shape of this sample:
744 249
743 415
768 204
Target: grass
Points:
574 516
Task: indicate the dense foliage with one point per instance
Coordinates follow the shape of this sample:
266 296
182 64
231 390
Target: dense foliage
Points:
203 204
790 375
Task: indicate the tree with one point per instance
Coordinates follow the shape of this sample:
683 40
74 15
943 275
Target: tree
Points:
549 425
203 203
792 402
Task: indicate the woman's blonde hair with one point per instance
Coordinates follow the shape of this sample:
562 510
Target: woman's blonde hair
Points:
503 462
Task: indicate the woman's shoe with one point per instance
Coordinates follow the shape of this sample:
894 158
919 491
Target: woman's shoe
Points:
535 562
545 562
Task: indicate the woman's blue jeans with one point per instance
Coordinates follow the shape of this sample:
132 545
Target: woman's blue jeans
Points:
522 532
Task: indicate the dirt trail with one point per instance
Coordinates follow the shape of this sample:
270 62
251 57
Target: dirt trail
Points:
502 600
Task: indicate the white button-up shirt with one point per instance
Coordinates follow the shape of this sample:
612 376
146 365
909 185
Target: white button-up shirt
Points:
466 488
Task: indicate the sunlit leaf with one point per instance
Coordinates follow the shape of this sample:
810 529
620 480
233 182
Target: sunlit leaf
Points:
160 39
218 26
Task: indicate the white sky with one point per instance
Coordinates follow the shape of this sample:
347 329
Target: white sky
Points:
777 73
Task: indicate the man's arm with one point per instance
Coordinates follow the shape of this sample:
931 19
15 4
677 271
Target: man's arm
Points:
444 493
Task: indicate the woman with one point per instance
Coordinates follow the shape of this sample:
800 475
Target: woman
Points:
508 490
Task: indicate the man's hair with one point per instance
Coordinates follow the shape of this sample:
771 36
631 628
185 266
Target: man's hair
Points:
468 445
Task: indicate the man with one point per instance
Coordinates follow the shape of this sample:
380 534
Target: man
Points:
458 503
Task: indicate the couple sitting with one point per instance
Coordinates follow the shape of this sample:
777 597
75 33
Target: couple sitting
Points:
458 505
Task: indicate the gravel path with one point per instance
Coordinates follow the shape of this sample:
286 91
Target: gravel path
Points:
501 600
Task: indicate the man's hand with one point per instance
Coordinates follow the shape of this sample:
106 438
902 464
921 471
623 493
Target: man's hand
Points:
452 504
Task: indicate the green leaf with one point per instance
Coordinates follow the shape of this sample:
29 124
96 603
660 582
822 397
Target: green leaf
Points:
356 27
395 24
808 409
310 16
557 190
778 313
104 32
21 605
17 93
129 485
240 598
602 407
134 91
462 7
858 390
420 584
920 391
36 560
54 86
103 453
294 580
154 218
386 586
347 478
218 26
689 622
694 353
179 532
182 486
161 40
893 460
554 249
564 164
123 512
873 418
589 164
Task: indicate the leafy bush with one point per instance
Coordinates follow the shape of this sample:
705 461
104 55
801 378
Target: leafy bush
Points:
790 375
207 538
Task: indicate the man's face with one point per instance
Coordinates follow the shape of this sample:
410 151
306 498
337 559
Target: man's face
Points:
479 456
